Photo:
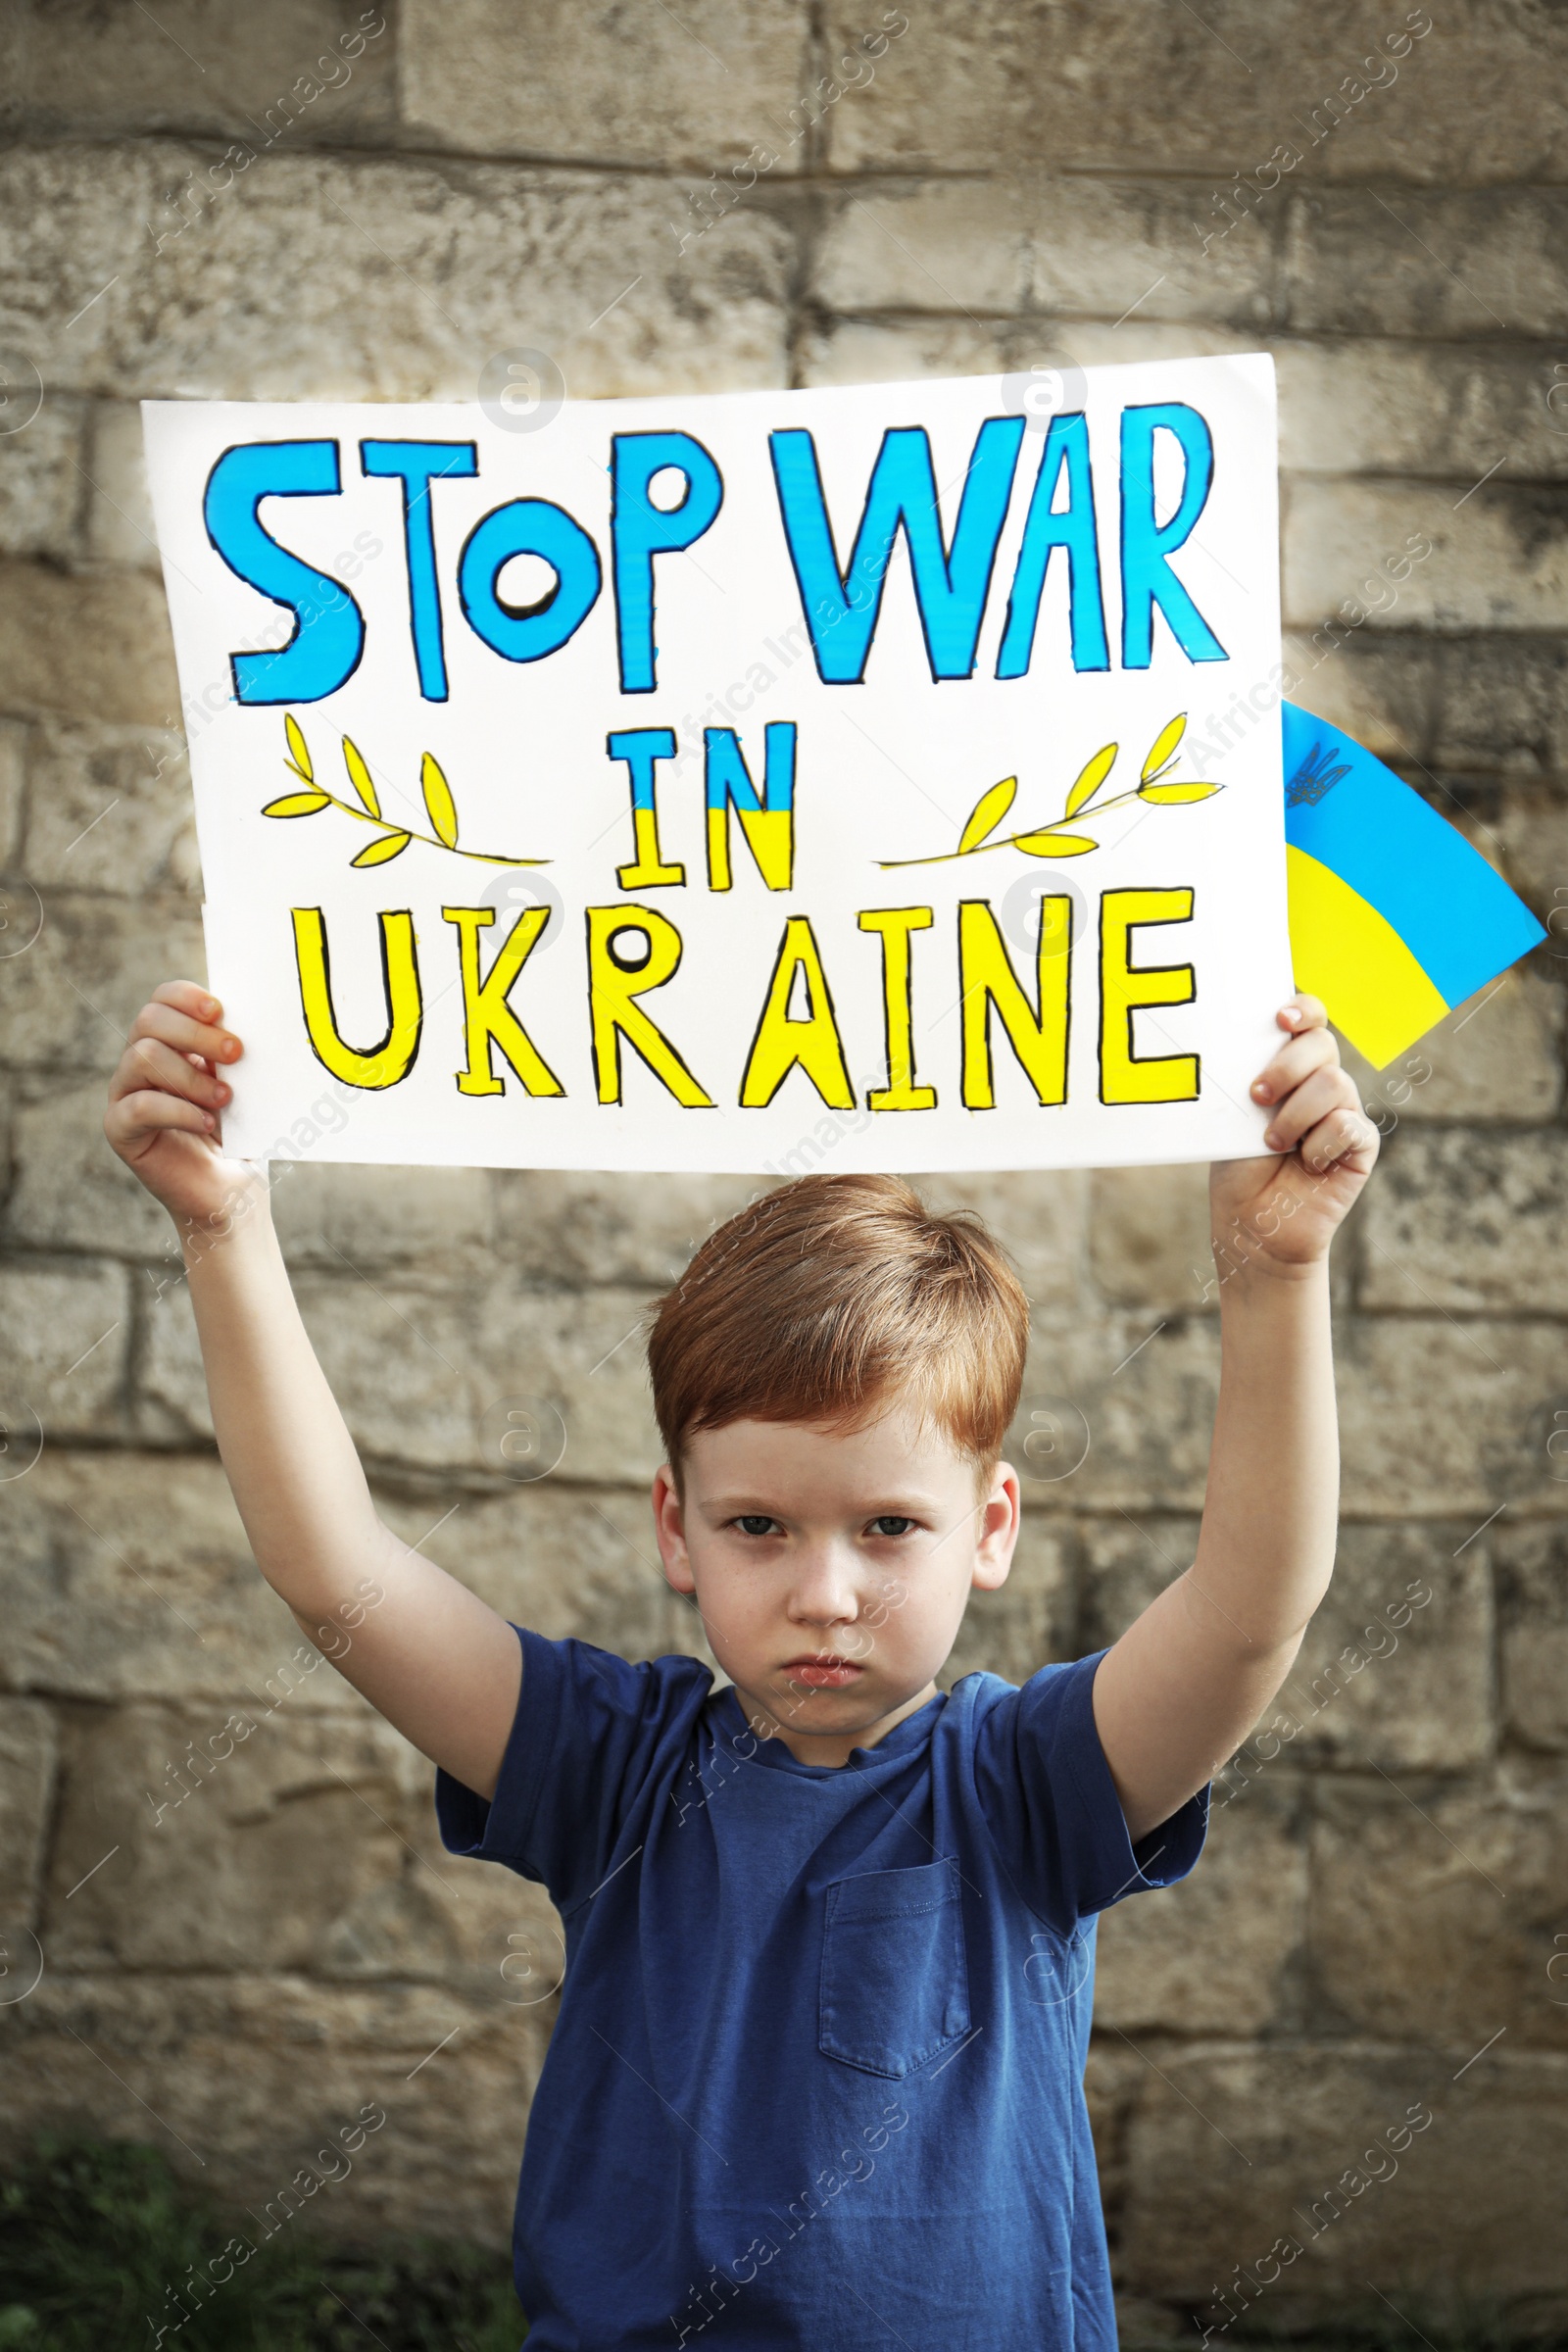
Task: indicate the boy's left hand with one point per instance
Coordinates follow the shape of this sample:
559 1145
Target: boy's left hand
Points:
1286 1208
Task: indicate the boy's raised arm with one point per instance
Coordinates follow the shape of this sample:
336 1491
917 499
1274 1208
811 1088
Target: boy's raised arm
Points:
429 1655
1180 1691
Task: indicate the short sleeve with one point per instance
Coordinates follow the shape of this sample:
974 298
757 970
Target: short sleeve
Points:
1050 1804
592 1737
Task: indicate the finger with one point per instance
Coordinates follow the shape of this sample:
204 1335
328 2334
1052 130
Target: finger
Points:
210 1039
1302 1012
1346 1138
1293 1064
197 1003
149 1063
1327 1090
185 1032
152 1114
188 996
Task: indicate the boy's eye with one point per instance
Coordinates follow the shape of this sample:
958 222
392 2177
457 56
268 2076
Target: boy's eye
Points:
755 1523
891 1523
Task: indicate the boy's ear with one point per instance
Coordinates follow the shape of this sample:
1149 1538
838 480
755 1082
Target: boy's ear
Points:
669 1526
998 1520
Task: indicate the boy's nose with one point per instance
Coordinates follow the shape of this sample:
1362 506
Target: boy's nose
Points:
824 1591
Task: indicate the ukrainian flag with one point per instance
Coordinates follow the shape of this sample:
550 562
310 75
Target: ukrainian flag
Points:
1395 918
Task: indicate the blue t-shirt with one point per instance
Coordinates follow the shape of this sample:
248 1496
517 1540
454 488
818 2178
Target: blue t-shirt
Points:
817 2075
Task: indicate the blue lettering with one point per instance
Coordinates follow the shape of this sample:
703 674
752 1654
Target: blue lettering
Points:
329 626
640 531
416 463
729 778
640 747
1073 528
528 526
950 585
1146 578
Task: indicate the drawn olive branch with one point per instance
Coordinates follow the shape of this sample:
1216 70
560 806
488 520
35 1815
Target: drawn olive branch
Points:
440 807
1046 841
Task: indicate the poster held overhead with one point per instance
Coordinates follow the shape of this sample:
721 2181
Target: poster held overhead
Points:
755 781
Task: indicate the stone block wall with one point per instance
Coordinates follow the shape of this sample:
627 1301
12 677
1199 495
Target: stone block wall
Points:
246 1937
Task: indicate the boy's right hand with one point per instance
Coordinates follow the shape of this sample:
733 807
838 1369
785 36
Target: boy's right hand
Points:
166 1099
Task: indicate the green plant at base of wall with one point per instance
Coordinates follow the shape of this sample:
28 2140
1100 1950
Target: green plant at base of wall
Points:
95 2234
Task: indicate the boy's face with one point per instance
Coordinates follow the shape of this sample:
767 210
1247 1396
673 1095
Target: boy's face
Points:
831 1568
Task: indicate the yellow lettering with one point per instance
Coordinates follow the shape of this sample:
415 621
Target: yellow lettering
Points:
894 924
383 1065
767 817
611 986
489 1021
769 836
1124 987
648 868
1037 1034
780 1042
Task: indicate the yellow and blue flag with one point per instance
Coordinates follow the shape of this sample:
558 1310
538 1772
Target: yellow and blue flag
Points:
1395 918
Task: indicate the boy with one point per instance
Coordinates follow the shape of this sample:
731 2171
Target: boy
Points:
816 2077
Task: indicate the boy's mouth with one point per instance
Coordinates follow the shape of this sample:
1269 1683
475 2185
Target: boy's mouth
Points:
823 1673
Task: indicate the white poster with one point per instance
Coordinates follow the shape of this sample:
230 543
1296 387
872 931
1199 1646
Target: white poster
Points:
748 782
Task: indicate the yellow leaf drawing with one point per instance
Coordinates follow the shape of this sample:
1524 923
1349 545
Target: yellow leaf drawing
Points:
297 749
1090 778
366 808
359 776
987 813
1165 743
980 833
1054 845
439 802
390 844
298 804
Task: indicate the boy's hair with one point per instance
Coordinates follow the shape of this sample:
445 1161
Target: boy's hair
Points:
827 1298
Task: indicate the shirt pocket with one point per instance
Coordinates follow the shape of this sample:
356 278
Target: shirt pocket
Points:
895 1981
